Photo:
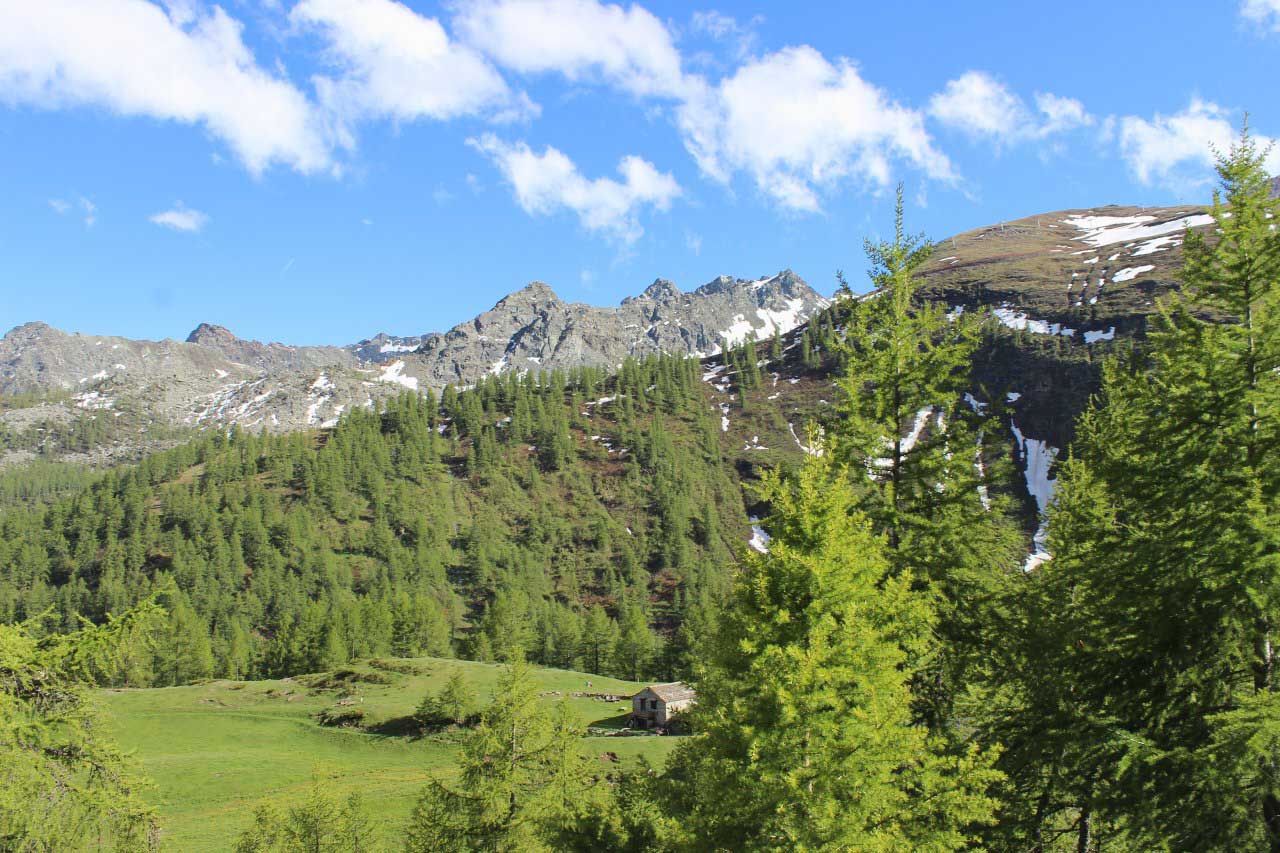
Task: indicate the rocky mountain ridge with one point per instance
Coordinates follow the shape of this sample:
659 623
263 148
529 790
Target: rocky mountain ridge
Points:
1062 284
214 378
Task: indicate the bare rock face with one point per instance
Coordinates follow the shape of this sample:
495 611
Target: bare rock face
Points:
534 329
269 357
215 379
1275 187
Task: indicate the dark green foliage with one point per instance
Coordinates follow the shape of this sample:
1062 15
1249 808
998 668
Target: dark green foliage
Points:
451 706
492 523
522 776
1144 714
921 472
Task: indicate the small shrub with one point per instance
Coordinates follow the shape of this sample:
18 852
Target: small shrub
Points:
402 667
339 716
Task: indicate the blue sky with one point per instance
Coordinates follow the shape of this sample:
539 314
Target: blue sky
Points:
315 171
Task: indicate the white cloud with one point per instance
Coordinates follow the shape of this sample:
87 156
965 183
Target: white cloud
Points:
90 212
583 40
1265 12
181 218
59 206
796 123
549 182
693 242
1178 150
981 106
396 63
189 66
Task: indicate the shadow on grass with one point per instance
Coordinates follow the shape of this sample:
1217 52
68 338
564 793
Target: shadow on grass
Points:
405 726
618 721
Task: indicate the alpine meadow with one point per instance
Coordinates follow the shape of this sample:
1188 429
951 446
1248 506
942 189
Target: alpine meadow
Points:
976 550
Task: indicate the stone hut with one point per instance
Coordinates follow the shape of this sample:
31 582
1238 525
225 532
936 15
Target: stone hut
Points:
657 706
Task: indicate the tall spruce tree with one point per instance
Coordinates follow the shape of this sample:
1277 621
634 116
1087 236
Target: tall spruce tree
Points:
1173 588
807 737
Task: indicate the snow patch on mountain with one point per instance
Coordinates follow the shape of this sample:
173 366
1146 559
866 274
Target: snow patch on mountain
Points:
1107 230
1130 273
1019 320
759 539
1037 459
394 373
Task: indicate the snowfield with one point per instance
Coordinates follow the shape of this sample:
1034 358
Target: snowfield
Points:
394 373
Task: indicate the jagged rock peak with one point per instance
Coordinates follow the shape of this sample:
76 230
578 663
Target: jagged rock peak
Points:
1275 187
210 334
534 291
29 330
786 279
662 290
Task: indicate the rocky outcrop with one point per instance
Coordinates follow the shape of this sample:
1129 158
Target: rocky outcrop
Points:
534 329
383 347
272 357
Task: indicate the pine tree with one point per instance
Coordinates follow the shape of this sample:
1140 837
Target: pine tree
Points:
635 645
450 707
805 710
599 635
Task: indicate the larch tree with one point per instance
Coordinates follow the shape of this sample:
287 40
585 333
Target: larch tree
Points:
64 785
1175 591
807 738
521 775
910 439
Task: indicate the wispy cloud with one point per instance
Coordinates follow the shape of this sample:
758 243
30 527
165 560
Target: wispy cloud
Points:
799 124
392 62
581 40
1265 12
1178 151
741 38
181 218
62 207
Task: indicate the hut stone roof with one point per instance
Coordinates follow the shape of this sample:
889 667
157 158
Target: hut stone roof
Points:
676 691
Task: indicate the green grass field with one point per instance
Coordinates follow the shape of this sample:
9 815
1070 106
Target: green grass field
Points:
215 750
